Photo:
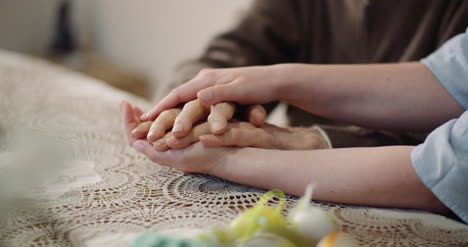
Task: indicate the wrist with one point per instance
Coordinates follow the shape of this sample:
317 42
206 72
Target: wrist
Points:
281 79
232 165
295 81
326 142
222 165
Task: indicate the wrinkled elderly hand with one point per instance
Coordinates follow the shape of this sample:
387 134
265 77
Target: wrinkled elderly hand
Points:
240 134
267 136
135 129
244 134
182 120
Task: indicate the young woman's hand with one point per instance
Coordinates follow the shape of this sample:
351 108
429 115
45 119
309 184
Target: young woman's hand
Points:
131 119
196 158
246 85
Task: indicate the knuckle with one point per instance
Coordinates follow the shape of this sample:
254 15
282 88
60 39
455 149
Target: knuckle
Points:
164 114
176 95
191 104
258 132
206 72
158 122
220 92
172 113
200 129
175 91
223 108
213 117
247 125
235 135
174 143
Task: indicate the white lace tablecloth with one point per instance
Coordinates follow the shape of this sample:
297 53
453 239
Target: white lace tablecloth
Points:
108 193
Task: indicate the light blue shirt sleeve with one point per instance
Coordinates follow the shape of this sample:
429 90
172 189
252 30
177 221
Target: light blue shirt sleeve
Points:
442 164
441 161
449 64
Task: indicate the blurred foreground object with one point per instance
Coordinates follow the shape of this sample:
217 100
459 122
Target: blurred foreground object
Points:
29 163
265 226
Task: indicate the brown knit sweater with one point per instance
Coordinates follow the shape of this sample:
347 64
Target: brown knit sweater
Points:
334 32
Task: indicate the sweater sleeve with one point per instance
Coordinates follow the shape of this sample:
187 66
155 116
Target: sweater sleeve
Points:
266 34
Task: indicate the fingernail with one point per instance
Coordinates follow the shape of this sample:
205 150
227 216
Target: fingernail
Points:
217 125
140 147
205 95
178 127
151 134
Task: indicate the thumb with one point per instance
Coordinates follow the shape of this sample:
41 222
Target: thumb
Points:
221 93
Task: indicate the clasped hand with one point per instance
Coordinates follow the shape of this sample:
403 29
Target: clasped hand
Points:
197 137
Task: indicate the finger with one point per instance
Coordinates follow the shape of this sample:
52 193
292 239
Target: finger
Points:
256 115
142 129
138 111
191 113
162 123
161 158
130 121
242 134
147 149
224 93
219 115
192 137
128 113
161 144
184 93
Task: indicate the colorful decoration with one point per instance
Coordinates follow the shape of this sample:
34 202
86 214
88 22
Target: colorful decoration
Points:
263 225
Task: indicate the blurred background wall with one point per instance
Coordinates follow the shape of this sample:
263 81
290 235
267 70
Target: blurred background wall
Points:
147 37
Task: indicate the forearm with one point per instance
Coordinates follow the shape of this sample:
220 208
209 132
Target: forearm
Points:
361 176
402 96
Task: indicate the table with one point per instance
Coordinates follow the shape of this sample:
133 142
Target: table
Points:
106 193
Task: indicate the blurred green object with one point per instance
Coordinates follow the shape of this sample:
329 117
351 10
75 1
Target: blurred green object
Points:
158 240
261 226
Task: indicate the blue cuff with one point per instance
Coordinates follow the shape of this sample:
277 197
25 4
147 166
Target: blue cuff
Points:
449 64
441 163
